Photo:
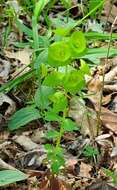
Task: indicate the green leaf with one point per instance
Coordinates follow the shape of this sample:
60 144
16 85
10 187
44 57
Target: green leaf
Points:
73 81
49 147
92 4
95 54
77 43
52 116
13 83
89 151
57 163
69 125
59 54
84 68
53 79
24 28
60 102
11 176
42 96
67 3
62 31
99 36
22 117
35 33
42 58
39 7
52 134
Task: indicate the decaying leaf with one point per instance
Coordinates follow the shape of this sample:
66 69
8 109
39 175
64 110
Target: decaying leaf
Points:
4 165
110 88
12 106
25 142
85 118
103 140
102 185
22 55
4 69
85 170
110 75
54 184
109 119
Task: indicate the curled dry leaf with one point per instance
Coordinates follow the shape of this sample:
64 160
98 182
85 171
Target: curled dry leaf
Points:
101 185
25 142
4 165
12 106
85 170
110 75
85 118
109 119
113 105
22 55
114 152
110 88
104 140
4 69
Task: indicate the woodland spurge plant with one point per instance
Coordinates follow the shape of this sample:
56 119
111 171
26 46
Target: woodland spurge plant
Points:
60 81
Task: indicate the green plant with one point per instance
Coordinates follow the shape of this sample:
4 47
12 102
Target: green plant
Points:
111 174
11 176
58 79
90 152
58 85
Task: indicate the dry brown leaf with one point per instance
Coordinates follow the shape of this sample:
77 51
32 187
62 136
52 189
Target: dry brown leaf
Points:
104 140
4 69
110 88
85 118
85 170
12 106
95 84
110 75
102 185
22 55
58 184
4 165
25 142
113 105
109 119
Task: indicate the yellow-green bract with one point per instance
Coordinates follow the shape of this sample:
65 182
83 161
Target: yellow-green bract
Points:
59 54
77 43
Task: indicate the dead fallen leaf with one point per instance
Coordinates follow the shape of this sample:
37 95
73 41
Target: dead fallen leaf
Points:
85 170
101 185
114 152
113 105
85 117
4 165
4 69
104 140
109 119
110 88
22 55
12 106
25 142
110 75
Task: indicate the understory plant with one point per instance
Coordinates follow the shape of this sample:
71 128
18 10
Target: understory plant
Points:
60 72
59 82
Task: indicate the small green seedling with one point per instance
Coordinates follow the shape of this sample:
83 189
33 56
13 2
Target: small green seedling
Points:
111 174
90 152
